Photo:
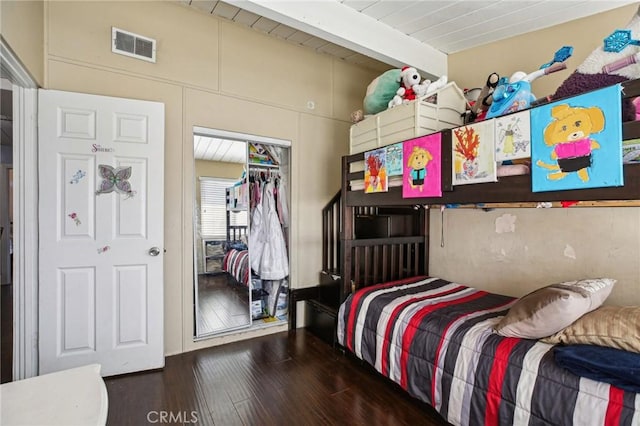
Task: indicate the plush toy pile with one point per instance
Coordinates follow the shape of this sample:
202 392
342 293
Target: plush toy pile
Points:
395 87
592 74
411 87
380 91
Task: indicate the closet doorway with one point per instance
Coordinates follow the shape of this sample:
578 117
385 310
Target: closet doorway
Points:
241 228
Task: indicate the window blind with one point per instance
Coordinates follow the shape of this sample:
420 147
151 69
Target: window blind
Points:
213 208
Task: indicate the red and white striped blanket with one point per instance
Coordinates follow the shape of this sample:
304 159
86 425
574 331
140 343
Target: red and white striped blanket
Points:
236 263
435 339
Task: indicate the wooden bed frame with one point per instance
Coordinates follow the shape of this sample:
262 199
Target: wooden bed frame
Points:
359 256
235 232
366 261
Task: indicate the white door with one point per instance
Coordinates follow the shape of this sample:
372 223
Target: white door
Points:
101 189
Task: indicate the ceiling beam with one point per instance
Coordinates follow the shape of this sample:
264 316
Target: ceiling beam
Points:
346 27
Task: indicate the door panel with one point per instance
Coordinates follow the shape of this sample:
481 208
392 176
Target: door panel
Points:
77 327
131 290
101 173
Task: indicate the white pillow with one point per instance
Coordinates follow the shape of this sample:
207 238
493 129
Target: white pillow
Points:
550 309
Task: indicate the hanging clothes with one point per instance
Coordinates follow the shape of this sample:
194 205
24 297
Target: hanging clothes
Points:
283 207
256 238
273 258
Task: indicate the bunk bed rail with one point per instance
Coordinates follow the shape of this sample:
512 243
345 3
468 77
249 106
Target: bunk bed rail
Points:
331 228
235 232
383 259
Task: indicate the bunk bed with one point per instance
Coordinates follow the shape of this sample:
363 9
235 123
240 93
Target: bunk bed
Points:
436 338
235 261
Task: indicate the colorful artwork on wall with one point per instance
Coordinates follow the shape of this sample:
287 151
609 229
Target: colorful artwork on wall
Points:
394 159
513 136
422 176
631 151
577 143
474 153
375 172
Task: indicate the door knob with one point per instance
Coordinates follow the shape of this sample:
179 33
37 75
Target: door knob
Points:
154 251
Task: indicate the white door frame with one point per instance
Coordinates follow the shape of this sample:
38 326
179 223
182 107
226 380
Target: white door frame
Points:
25 214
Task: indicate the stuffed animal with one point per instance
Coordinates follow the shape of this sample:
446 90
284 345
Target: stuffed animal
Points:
357 116
432 87
590 74
410 87
380 91
482 103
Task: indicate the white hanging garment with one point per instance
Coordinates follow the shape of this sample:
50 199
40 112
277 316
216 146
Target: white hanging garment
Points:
256 238
283 206
274 262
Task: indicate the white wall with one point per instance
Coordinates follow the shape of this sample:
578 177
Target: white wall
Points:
215 74
547 246
22 27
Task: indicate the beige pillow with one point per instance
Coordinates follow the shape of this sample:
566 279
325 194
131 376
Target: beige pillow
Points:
550 309
612 326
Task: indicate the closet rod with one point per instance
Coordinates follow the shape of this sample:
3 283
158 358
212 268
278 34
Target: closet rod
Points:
264 166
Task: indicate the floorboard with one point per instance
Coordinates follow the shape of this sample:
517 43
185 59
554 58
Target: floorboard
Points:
6 330
286 378
222 305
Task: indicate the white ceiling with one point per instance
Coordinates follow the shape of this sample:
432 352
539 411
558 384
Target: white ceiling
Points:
381 33
215 149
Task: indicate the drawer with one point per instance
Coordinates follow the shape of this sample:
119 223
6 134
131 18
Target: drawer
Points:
321 320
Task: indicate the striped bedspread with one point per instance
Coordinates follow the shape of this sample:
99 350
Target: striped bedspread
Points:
434 338
236 263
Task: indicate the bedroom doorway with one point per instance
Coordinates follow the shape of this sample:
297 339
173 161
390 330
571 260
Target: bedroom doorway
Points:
6 230
21 349
240 212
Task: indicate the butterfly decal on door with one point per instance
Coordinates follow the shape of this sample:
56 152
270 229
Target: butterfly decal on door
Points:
115 179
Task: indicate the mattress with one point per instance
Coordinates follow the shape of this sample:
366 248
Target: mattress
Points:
435 339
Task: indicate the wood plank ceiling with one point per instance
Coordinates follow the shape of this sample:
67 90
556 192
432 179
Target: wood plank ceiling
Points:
368 32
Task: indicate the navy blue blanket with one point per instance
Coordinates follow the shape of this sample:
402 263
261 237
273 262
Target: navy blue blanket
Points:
614 366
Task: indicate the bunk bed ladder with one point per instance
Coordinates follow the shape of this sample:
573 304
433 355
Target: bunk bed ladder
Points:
331 228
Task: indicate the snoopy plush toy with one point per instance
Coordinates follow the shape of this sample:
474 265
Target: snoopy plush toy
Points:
411 86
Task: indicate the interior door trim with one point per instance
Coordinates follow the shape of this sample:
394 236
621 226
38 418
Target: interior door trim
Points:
25 225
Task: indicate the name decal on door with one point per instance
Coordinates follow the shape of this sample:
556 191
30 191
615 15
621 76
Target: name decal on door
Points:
98 148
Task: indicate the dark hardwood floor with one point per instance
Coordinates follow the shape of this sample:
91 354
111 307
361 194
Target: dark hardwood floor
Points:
221 304
6 331
290 378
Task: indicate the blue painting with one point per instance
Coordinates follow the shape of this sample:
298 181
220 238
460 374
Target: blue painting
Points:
576 143
394 159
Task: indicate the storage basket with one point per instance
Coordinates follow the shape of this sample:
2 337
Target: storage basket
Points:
437 111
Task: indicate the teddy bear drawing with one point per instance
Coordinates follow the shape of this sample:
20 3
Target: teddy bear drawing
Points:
569 133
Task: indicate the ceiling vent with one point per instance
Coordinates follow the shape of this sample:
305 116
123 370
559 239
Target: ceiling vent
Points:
134 45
